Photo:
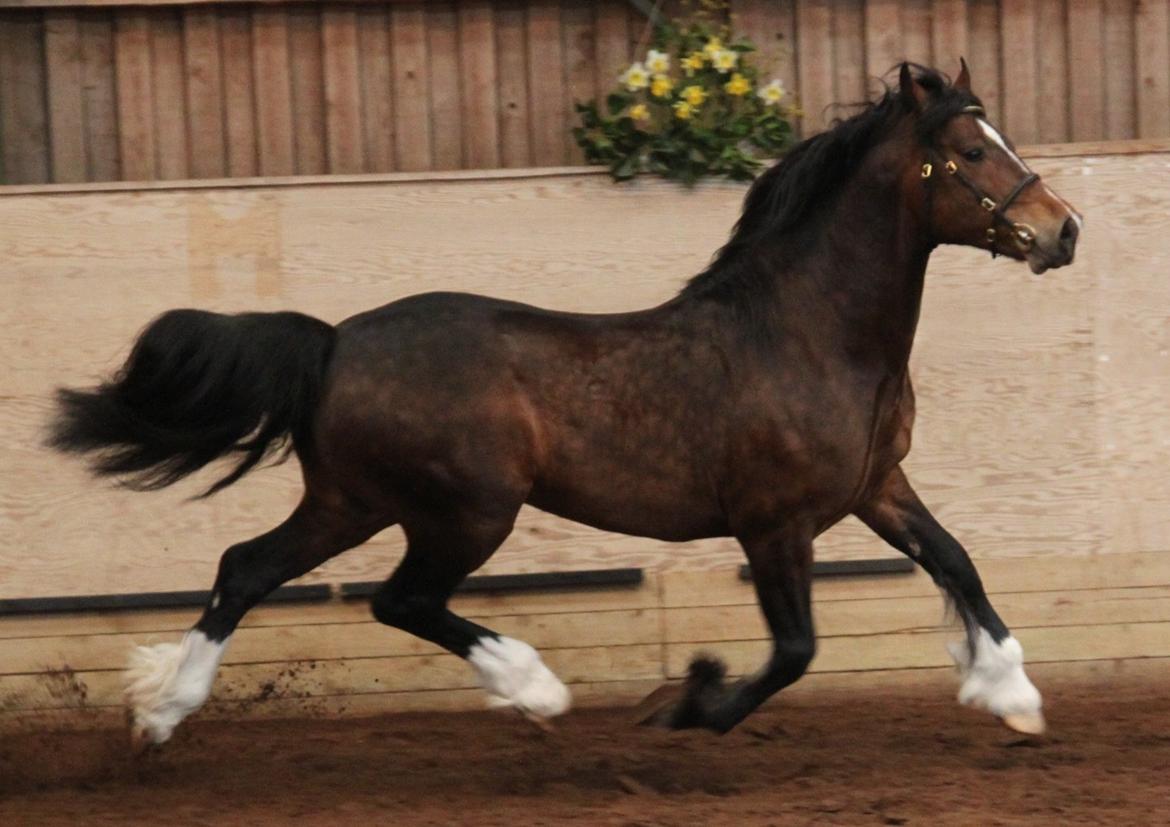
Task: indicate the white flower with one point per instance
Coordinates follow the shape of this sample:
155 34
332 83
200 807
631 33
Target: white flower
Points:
773 93
657 62
725 60
636 77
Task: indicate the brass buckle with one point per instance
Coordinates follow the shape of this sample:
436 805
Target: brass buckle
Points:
987 204
927 169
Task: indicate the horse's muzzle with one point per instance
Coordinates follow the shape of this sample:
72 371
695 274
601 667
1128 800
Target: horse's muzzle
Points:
1057 249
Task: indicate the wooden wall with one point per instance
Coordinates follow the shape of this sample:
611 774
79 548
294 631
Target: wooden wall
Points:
1041 427
97 91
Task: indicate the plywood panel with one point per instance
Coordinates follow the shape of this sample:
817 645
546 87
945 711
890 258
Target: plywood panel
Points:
205 100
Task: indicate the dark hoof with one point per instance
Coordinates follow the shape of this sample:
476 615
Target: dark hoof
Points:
688 706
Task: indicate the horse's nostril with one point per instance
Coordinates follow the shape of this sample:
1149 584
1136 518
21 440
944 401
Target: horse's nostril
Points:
1068 233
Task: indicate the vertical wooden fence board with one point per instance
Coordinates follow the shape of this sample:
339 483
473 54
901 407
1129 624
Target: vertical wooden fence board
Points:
478 92
1020 103
578 41
23 115
377 98
814 19
1153 68
135 95
412 121
98 94
512 74
1086 41
443 53
1120 71
849 82
235 33
64 85
613 43
771 27
949 34
916 32
270 71
983 47
170 104
306 76
1052 77
545 83
883 38
205 127
343 116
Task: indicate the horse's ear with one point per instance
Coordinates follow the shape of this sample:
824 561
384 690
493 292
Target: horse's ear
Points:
963 81
911 90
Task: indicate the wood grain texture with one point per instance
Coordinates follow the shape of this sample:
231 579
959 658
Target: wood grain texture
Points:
103 161
983 55
512 74
63 79
1152 24
307 78
270 70
1052 78
203 71
445 94
239 92
814 18
170 96
1086 76
135 95
546 83
343 116
478 85
377 101
1029 442
1120 69
1021 117
412 134
24 154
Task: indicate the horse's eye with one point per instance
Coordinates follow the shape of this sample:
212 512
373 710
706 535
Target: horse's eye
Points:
973 154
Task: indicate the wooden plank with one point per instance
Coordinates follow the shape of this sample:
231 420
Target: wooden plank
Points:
579 47
613 41
271 71
412 121
814 21
1020 82
170 94
1120 70
343 117
949 34
445 96
771 27
377 97
1026 610
916 31
479 108
848 36
96 29
23 115
64 84
1153 68
512 77
883 39
983 55
306 76
205 103
927 649
546 83
135 95
1086 59
239 92
1051 55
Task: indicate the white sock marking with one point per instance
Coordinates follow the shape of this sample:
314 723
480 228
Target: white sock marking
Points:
514 675
167 682
994 679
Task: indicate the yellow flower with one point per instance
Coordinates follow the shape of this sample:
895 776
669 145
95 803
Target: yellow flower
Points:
694 95
714 45
657 62
738 85
693 62
639 112
661 86
773 93
636 77
683 110
725 60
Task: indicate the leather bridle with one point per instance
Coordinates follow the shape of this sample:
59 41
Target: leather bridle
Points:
1024 235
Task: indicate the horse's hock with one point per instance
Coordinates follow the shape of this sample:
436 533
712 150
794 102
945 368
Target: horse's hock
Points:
1041 438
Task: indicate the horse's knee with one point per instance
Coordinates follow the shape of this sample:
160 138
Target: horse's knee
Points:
401 611
791 658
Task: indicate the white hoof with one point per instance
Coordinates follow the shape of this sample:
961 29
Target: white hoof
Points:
167 682
514 675
994 680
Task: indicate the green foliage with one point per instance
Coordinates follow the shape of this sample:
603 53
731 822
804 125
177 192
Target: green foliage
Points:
692 106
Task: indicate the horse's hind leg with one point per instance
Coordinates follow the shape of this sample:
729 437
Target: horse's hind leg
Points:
167 682
439 555
991 661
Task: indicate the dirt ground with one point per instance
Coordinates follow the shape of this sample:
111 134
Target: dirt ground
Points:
894 757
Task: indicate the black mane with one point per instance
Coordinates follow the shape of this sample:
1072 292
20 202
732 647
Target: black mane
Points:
813 172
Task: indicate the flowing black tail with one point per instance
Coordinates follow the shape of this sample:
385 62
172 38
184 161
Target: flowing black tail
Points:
199 386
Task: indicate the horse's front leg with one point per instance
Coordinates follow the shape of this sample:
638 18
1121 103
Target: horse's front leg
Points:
991 661
781 566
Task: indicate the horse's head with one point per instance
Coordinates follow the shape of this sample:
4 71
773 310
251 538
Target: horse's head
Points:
976 190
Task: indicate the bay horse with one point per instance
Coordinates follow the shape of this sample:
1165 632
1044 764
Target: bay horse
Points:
766 401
